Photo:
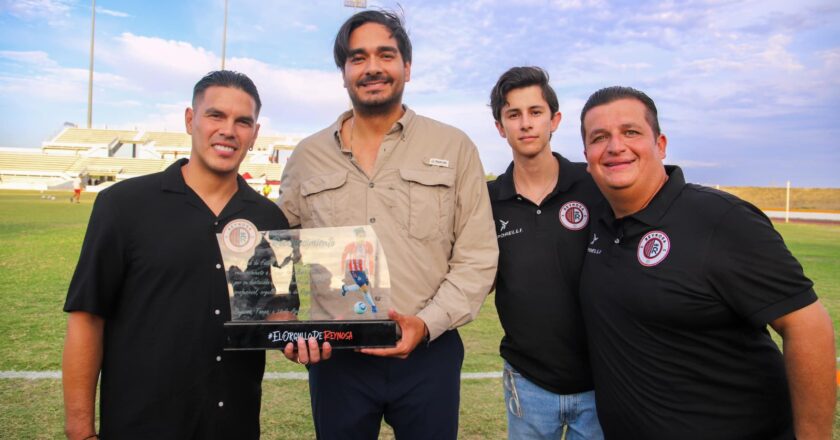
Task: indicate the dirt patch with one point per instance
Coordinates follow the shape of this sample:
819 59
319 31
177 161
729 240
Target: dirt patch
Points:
807 199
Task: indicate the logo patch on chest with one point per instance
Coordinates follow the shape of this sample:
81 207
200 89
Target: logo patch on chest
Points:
574 216
504 231
240 235
653 248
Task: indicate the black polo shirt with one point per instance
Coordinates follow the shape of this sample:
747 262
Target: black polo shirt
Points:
677 298
150 265
541 250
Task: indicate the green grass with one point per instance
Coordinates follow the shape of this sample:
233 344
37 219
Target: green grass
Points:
39 245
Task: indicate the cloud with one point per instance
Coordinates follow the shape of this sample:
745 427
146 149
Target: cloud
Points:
300 100
171 56
577 4
43 78
304 26
111 12
50 10
695 164
60 84
161 117
28 58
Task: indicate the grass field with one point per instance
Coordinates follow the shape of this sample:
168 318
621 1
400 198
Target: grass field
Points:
39 245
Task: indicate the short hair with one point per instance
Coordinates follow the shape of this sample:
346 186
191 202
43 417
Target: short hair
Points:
517 78
614 93
226 78
389 19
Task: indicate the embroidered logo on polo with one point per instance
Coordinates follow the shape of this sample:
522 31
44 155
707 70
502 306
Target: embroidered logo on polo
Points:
653 248
503 229
240 235
591 249
574 216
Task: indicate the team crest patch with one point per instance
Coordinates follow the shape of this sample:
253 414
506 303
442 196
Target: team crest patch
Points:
653 248
574 216
240 235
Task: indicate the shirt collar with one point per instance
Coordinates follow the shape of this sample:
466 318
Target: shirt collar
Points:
660 203
663 199
173 181
569 175
399 126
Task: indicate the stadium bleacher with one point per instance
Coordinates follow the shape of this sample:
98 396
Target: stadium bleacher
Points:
90 152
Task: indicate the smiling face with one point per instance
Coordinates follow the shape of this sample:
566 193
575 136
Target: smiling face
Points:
622 152
526 122
374 72
223 126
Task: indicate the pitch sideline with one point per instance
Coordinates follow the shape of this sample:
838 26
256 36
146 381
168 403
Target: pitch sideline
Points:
39 375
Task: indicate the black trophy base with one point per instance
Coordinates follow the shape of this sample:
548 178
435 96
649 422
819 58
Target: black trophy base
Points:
268 335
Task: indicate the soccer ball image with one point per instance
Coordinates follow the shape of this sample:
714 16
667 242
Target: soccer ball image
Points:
360 307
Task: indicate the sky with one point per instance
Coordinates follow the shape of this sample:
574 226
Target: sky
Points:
748 91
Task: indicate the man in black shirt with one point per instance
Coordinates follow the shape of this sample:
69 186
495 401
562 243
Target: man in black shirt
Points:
678 287
149 296
541 206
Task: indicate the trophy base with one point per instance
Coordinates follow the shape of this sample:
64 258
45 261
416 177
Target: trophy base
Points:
274 335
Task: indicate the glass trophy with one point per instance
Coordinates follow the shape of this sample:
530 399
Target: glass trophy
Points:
328 283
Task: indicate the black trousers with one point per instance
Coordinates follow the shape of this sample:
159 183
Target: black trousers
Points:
417 396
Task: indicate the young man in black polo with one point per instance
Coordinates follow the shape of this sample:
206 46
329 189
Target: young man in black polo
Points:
149 295
541 206
678 287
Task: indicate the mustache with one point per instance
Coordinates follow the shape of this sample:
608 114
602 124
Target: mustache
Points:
374 78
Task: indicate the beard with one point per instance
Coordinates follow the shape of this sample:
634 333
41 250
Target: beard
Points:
376 105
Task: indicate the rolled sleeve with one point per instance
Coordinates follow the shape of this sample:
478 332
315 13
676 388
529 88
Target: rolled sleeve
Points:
289 192
474 256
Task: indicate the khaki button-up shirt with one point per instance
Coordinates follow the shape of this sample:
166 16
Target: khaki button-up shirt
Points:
427 201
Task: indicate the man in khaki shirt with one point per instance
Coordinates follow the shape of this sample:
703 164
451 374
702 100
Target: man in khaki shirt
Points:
420 185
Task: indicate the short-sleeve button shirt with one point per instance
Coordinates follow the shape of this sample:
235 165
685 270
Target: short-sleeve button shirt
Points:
150 265
676 300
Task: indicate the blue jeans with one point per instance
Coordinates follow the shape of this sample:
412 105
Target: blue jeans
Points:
535 413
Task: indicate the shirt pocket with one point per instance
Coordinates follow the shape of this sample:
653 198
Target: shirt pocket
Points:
430 202
324 197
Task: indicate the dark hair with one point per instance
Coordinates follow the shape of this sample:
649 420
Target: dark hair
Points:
227 78
517 78
390 20
610 94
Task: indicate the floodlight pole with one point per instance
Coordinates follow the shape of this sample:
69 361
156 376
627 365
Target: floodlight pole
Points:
224 35
90 73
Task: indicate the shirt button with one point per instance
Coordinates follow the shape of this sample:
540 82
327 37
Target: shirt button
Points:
373 219
519 198
217 311
539 211
221 404
216 223
218 266
370 185
218 358
616 241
